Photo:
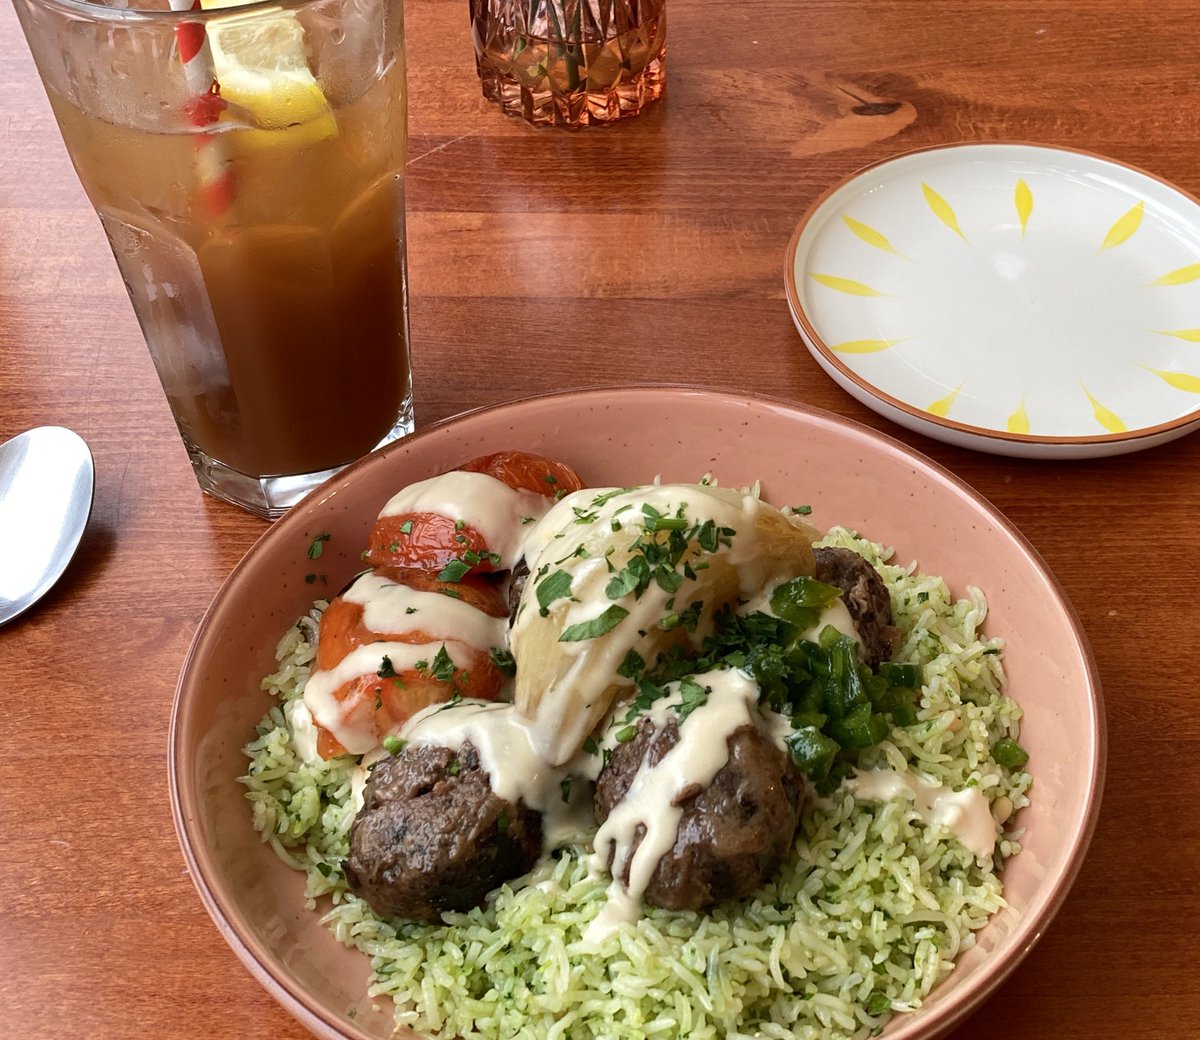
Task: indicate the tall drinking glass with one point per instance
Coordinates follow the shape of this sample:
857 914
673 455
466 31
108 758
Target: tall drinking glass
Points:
247 165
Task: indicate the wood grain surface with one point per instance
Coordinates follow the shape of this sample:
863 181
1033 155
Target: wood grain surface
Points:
650 251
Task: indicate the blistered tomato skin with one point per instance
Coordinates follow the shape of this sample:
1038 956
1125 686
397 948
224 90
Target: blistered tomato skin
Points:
343 630
431 541
525 471
427 541
387 703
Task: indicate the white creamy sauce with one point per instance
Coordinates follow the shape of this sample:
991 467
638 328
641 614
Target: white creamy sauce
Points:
516 771
355 730
701 752
390 607
488 505
304 731
964 814
360 774
564 713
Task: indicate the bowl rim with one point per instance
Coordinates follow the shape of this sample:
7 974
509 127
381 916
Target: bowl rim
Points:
321 1021
943 427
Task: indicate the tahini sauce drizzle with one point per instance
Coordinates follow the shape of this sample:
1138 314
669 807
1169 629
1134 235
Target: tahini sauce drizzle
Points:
489 505
561 722
517 773
699 755
964 814
355 730
390 607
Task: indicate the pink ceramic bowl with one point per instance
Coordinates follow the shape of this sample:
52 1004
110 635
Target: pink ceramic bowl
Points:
850 474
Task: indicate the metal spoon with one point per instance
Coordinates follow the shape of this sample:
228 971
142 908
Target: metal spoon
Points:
46 484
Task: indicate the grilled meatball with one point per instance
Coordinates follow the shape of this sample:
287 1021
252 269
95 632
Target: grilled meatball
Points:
733 834
866 598
433 836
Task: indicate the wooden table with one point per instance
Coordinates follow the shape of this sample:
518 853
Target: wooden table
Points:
652 251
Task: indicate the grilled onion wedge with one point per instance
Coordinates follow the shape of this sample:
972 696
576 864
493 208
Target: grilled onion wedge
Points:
617 576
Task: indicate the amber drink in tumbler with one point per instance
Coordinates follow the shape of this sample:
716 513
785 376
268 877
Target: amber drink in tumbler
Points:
571 63
254 203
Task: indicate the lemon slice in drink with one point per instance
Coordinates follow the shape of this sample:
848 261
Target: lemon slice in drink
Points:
261 64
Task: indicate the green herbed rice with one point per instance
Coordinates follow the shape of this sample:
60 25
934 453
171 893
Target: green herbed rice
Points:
866 916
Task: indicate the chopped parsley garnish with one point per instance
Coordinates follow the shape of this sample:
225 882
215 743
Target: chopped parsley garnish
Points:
503 660
802 510
685 619
632 666
565 786
632 578
442 667
317 547
393 745
386 669
527 519
455 570
406 527
472 557
692 695
553 587
625 735
459 524
309 579
410 610
612 616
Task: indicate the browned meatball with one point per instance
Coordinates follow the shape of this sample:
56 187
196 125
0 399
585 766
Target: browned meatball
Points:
433 836
866 598
733 834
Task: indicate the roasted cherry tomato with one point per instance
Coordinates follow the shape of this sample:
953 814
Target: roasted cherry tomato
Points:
386 703
520 469
431 541
342 627
428 541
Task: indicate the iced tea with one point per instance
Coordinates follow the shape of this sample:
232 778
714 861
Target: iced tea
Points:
277 320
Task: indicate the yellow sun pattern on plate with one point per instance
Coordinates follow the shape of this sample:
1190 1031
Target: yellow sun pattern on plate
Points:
1179 380
845 285
865 346
1180 276
1122 229
1105 416
1191 335
1018 422
872 237
943 405
942 210
1023 200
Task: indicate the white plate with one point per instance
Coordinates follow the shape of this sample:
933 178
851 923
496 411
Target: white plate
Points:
1012 298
